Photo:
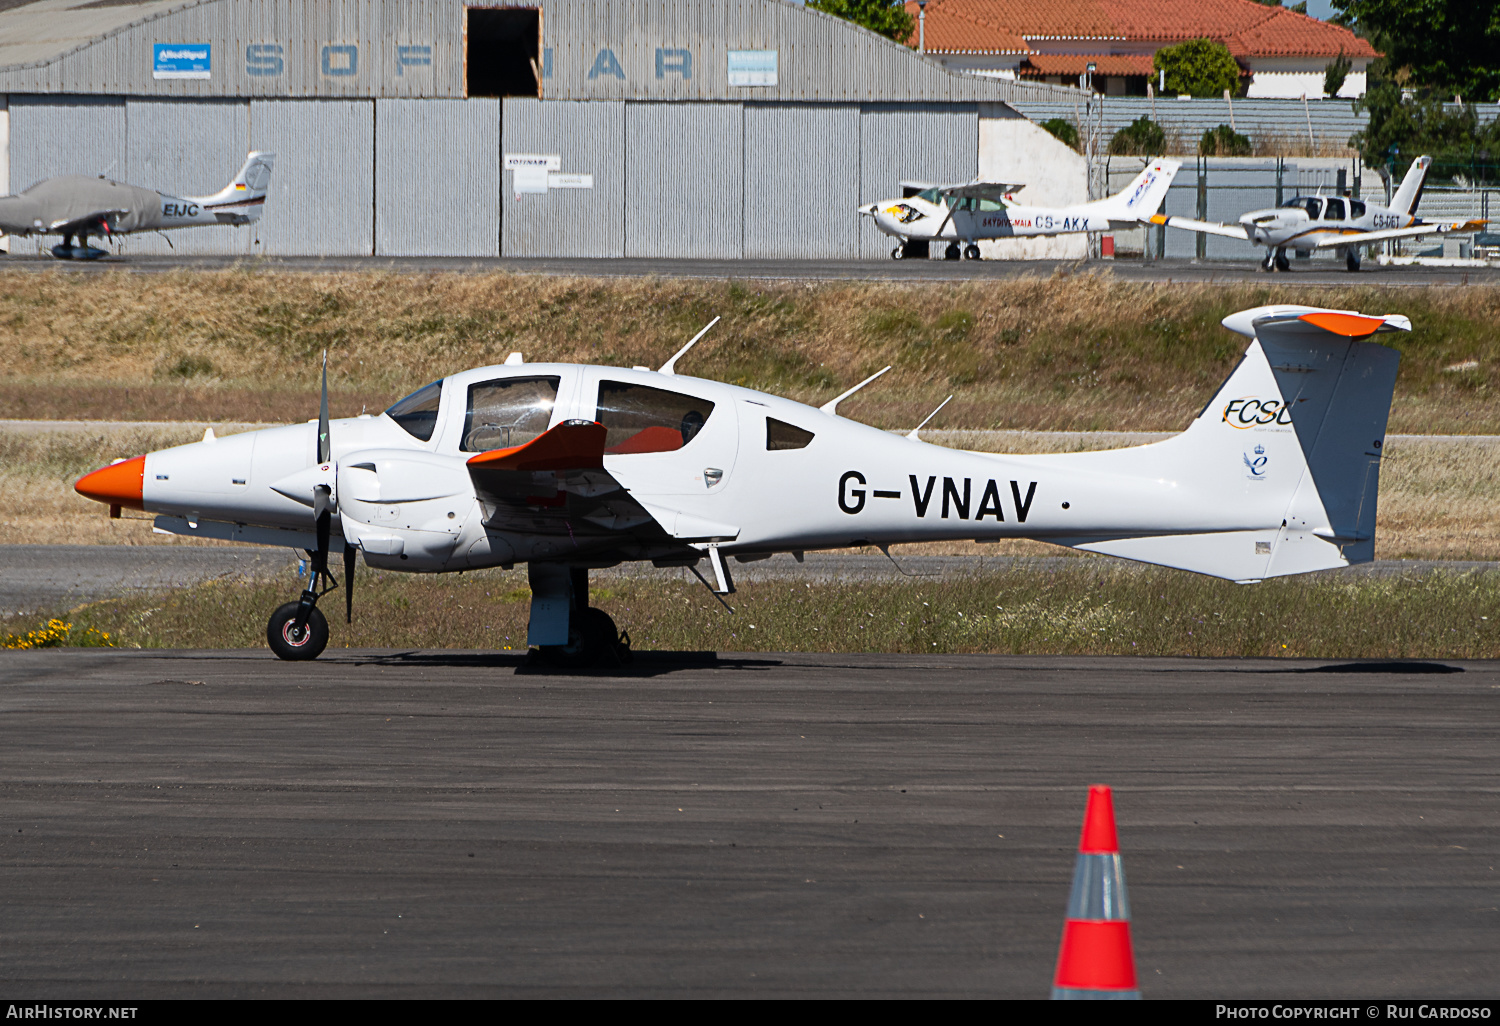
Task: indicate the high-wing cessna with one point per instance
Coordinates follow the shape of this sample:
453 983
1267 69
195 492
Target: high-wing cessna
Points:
1332 222
80 206
568 467
970 211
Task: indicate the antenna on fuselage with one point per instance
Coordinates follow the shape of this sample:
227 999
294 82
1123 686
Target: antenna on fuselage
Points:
670 367
913 432
831 407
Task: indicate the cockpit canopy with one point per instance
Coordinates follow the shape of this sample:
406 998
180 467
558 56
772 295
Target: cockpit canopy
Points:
418 412
1333 208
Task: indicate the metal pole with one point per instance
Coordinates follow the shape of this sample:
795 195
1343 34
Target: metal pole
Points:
921 26
1201 240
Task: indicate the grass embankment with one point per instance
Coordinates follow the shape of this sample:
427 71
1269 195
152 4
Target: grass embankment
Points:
1088 607
1075 352
1439 499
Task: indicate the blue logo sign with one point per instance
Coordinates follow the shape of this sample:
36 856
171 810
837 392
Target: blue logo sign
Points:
180 60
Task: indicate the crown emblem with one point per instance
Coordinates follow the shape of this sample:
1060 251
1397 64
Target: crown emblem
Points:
1260 450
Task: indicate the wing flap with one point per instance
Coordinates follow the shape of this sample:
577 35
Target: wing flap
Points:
1442 228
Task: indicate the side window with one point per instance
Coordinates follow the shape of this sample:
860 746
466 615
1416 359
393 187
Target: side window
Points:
1335 211
640 418
989 204
1314 207
1356 209
780 435
418 412
508 412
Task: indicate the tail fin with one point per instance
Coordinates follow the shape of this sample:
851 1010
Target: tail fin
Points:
1410 193
1142 197
1286 456
243 199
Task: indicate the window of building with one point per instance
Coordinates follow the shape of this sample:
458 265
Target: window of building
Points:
418 412
639 418
781 435
508 412
502 51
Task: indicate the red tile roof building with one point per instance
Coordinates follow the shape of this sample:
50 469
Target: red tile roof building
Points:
1280 52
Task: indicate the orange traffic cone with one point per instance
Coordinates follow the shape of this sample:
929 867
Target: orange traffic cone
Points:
1095 960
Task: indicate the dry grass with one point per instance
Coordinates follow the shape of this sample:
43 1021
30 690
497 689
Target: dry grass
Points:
1071 352
1090 606
1439 498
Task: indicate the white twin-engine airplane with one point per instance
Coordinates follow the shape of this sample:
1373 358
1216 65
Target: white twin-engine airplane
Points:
967 212
1333 222
569 467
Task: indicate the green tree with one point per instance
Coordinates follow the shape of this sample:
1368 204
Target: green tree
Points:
1198 67
1063 130
887 17
1447 45
1142 138
1335 73
1224 142
1406 123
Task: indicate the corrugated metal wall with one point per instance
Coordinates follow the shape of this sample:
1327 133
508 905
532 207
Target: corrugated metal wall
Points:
65 135
322 198
801 181
187 148
684 180
590 139
437 177
904 142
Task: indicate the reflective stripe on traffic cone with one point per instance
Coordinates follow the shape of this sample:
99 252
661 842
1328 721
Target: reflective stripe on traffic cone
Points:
1095 960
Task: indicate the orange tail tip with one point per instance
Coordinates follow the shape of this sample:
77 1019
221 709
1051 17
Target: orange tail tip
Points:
119 484
1099 837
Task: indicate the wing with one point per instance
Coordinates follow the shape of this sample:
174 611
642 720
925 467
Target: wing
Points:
98 220
1435 228
556 485
1229 231
996 191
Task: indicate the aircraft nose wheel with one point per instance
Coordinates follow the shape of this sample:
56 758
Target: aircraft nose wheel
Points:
288 642
971 252
899 253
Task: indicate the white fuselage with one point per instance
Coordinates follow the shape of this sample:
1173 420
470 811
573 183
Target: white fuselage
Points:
1307 222
409 504
970 220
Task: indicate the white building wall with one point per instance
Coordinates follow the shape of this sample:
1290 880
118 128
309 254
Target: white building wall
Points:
1290 85
1012 149
4 161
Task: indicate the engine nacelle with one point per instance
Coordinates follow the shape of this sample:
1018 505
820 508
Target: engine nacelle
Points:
405 510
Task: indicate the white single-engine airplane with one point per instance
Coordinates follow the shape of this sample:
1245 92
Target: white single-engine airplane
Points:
569 467
970 211
78 205
1333 222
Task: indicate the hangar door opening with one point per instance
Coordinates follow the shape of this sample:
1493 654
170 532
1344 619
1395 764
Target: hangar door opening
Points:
502 45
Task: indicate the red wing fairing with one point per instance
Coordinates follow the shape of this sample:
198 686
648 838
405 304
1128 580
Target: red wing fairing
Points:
556 484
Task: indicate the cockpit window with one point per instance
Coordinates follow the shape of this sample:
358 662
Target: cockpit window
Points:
418 412
1334 210
639 418
989 204
508 412
1311 204
931 196
1356 209
781 435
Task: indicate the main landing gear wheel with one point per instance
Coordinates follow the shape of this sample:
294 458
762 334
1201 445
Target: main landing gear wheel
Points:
971 252
288 642
1282 263
594 639
1351 260
951 253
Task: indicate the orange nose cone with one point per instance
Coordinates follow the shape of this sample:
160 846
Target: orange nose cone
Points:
119 484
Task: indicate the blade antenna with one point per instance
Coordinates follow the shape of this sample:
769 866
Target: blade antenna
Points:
670 367
913 432
832 406
887 550
324 450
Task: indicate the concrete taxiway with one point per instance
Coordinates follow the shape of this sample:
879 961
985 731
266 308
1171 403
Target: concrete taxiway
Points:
448 824
1321 273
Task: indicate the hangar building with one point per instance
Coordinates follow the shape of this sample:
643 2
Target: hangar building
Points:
653 128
